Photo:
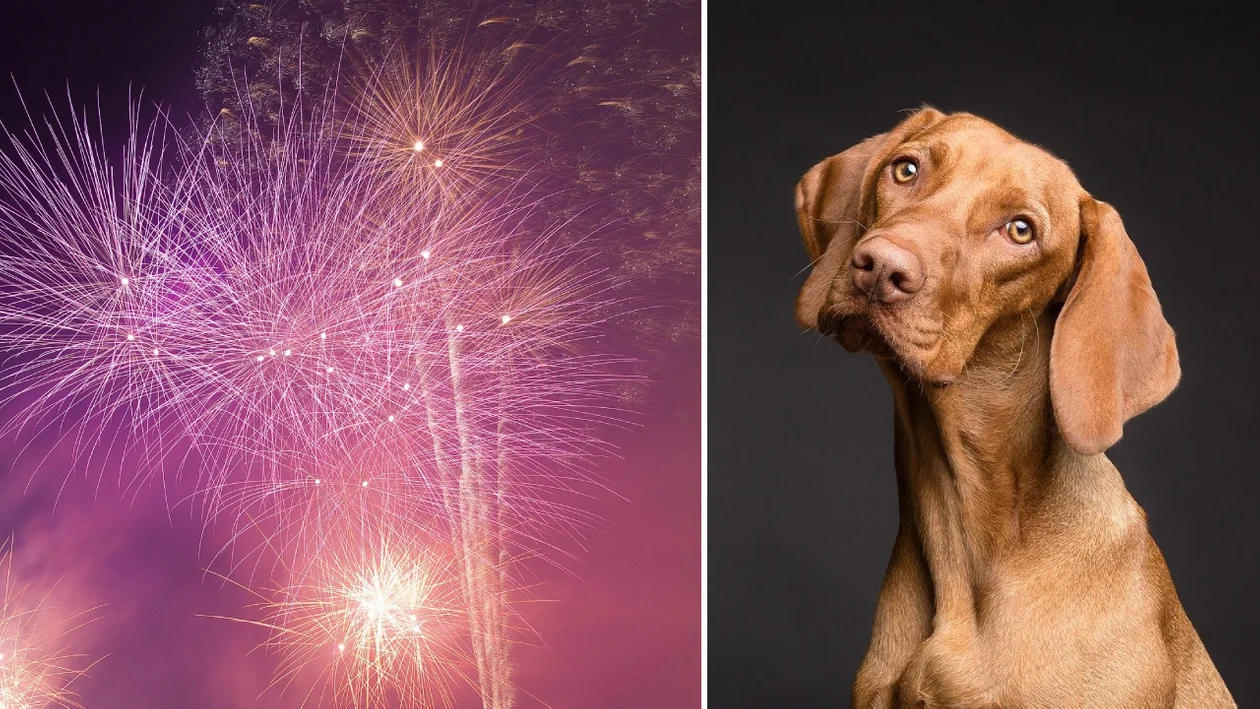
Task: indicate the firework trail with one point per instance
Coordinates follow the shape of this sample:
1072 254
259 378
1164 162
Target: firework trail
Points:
36 670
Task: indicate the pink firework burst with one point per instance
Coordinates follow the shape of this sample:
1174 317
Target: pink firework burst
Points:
373 616
279 307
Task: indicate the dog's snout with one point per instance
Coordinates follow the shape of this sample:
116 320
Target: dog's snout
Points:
885 272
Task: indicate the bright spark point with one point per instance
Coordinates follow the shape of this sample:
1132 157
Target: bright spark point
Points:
155 351
459 328
419 145
272 352
425 255
126 281
437 163
341 647
288 352
391 419
507 319
130 337
406 387
261 358
317 481
365 483
323 336
329 370
397 282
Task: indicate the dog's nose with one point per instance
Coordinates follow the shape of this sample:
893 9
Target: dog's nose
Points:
886 272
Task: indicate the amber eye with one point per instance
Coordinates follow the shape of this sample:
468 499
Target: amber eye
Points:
904 171
1019 230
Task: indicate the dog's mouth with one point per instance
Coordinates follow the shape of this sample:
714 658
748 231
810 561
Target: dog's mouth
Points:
911 348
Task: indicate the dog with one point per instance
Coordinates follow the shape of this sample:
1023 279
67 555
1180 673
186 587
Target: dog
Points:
1018 328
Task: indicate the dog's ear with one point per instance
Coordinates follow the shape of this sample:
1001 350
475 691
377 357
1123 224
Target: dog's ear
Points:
1113 355
828 200
827 196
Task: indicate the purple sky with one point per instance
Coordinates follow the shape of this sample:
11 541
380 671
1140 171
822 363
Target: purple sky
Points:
621 630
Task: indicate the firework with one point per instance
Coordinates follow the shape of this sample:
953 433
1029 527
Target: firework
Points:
363 303
600 98
277 312
36 670
454 119
281 310
370 615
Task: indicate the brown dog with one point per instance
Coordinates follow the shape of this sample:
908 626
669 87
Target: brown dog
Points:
1019 330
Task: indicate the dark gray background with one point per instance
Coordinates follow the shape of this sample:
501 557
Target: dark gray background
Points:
1157 115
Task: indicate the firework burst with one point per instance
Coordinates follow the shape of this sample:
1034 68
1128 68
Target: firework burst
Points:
448 118
36 669
282 310
369 617
276 311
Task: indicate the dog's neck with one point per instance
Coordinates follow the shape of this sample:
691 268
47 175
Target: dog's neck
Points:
974 458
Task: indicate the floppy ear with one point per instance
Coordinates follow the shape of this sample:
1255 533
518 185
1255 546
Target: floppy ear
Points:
1113 355
827 196
828 200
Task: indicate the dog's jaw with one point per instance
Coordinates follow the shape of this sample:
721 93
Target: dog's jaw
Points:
875 330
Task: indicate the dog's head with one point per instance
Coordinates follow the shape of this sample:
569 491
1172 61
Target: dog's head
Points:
933 239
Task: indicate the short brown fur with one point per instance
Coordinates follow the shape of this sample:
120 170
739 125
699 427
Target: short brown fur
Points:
1023 573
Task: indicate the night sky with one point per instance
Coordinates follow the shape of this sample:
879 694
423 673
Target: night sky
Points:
620 627
1155 112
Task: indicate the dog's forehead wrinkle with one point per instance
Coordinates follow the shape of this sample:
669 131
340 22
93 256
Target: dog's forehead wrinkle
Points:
1005 199
986 150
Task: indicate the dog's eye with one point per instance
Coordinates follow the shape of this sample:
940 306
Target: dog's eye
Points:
904 171
1019 230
